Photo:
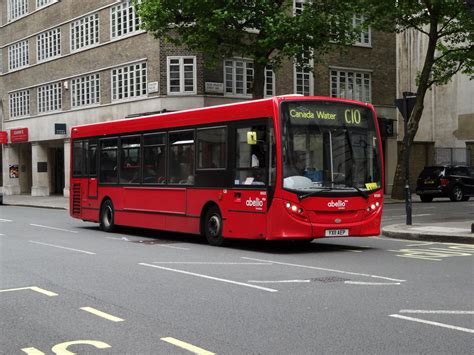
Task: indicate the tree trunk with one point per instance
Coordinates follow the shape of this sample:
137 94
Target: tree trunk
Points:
413 123
258 91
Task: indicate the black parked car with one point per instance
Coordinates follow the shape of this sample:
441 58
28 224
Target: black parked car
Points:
455 182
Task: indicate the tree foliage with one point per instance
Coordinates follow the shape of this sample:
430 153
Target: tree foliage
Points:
263 30
449 29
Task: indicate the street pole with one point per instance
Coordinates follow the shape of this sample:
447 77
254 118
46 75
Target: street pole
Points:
408 202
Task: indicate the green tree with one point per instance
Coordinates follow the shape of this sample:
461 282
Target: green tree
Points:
263 30
449 29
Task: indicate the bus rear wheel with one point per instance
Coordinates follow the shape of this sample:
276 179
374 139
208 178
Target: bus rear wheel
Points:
213 227
107 223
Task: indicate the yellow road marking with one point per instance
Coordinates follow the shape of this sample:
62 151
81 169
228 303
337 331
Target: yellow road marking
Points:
102 314
61 349
187 346
33 288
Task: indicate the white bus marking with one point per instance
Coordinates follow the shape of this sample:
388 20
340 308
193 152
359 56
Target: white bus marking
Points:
442 325
210 277
61 247
54 228
324 269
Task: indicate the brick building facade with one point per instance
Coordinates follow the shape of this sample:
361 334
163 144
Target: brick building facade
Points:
76 62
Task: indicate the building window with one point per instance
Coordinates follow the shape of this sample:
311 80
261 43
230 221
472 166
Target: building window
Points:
18 55
269 82
16 9
85 32
303 79
298 6
351 85
238 77
43 3
181 75
85 90
364 38
49 98
123 20
129 82
48 44
19 104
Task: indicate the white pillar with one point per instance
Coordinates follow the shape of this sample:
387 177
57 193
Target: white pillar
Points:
11 168
39 154
67 171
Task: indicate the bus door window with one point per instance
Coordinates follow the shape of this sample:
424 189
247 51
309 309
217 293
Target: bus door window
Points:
181 161
108 161
130 160
154 158
251 159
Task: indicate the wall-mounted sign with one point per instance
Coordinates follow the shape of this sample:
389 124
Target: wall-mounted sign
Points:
19 135
42 167
60 128
3 137
214 88
153 87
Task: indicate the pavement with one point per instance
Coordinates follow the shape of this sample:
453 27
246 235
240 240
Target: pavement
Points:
447 232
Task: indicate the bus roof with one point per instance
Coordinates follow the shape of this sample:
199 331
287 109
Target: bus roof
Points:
204 115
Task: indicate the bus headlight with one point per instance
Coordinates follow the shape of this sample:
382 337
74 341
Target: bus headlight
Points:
296 210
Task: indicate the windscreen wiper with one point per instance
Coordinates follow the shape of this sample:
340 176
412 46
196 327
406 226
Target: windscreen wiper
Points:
313 193
363 193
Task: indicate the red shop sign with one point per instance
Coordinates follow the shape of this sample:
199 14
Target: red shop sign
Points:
3 137
19 135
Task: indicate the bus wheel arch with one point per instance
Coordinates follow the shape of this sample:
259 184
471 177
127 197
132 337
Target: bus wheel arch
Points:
212 224
107 215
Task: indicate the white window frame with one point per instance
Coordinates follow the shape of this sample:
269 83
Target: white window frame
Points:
48 45
247 68
269 82
122 12
18 55
16 9
133 89
298 6
84 32
19 104
179 61
300 74
85 90
356 84
49 98
365 37
43 3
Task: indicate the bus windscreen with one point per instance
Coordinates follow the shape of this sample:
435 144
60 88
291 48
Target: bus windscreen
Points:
329 146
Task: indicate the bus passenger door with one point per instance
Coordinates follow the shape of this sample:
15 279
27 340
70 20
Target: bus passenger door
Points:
91 162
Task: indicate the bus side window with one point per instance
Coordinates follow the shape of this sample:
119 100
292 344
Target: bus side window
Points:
181 160
130 160
251 159
154 158
108 161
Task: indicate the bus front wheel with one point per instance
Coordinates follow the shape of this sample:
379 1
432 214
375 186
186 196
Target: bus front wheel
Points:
213 227
107 216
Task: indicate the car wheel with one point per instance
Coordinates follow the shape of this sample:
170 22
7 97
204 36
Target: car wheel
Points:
456 194
426 198
213 227
107 219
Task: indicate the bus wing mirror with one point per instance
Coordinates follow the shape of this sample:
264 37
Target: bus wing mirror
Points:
251 138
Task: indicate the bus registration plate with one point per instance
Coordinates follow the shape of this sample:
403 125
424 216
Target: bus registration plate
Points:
336 233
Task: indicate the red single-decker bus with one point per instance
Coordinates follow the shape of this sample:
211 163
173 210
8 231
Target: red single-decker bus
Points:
282 168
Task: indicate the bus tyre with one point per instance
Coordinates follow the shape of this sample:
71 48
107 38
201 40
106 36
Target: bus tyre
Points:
107 216
213 227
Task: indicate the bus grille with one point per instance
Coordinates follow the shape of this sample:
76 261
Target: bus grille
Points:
76 200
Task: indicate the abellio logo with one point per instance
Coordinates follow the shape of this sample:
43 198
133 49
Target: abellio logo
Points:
337 204
254 203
